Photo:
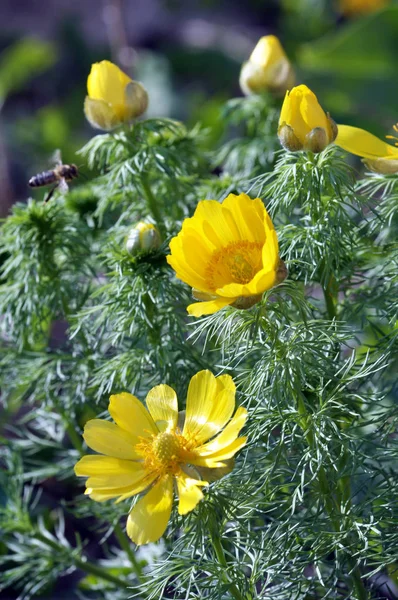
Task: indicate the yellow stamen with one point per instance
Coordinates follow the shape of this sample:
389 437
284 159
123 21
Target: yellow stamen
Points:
236 263
163 453
393 137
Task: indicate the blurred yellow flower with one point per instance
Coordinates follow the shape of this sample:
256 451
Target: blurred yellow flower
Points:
228 253
352 8
113 98
142 238
377 154
303 124
149 450
268 69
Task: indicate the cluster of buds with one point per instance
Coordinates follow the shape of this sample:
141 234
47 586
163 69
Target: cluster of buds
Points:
113 98
267 70
144 237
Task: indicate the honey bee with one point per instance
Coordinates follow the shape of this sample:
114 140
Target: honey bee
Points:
59 176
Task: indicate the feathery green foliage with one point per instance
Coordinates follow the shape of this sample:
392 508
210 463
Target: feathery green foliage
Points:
309 510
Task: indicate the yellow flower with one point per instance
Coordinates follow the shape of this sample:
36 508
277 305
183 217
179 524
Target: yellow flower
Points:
379 156
142 238
149 450
113 98
352 8
303 124
228 254
268 68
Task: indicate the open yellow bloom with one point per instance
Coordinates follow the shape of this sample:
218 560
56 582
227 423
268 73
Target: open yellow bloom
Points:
228 253
113 98
379 156
150 450
303 124
268 68
352 8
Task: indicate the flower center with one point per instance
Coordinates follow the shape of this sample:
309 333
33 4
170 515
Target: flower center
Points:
165 447
163 453
236 263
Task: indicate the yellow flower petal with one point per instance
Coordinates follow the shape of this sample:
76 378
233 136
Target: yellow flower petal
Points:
109 472
362 143
217 459
107 82
107 438
225 382
104 494
189 493
189 259
248 216
312 112
163 406
100 494
263 280
148 519
200 402
207 411
227 436
208 308
131 415
211 212
270 252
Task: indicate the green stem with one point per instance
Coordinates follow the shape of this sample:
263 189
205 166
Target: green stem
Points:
73 436
330 301
219 550
152 203
125 545
85 565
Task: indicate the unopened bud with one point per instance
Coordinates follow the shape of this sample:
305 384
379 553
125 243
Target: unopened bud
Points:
143 238
303 124
268 69
113 97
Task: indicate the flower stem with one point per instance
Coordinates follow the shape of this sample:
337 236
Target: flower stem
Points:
330 300
152 202
73 436
125 545
219 550
83 564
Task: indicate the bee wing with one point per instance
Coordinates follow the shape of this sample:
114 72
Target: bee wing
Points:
63 186
56 157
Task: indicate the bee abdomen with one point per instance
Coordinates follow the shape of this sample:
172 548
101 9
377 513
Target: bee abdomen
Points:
44 178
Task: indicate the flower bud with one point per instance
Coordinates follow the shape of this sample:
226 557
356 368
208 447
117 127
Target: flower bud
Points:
303 124
113 98
268 69
142 238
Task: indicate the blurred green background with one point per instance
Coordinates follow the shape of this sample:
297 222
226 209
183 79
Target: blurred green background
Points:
188 55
